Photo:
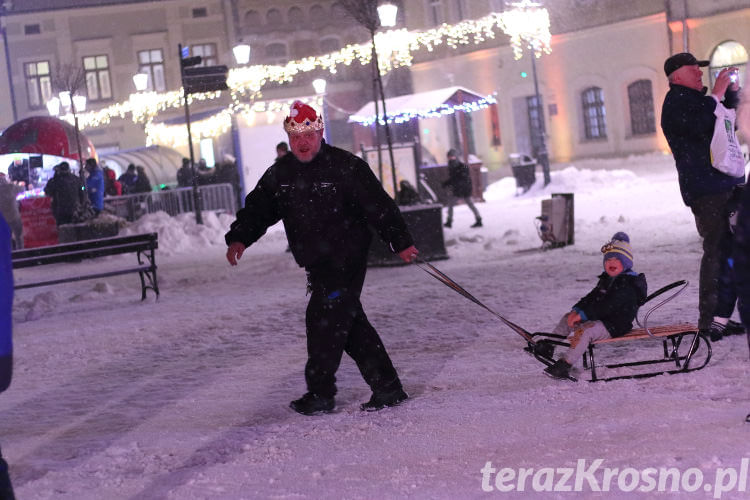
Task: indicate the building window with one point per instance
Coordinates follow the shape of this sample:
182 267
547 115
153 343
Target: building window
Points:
273 17
252 19
38 83
535 111
329 44
98 84
594 114
726 55
276 51
200 12
207 51
317 13
151 62
32 29
641 100
435 12
296 16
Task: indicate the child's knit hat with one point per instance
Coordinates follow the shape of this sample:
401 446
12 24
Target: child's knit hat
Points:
619 248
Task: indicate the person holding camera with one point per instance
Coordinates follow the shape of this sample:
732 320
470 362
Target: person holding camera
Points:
688 121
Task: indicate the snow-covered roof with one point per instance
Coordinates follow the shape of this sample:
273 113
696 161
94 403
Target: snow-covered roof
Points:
418 103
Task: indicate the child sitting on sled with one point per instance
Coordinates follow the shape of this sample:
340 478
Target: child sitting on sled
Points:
606 311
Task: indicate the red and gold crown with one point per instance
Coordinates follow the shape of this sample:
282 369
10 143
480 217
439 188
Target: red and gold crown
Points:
302 118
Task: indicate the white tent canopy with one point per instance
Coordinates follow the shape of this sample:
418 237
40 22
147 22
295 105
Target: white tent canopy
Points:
430 102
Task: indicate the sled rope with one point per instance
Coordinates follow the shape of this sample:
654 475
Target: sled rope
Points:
447 281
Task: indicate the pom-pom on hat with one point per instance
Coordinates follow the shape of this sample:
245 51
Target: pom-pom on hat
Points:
620 249
302 118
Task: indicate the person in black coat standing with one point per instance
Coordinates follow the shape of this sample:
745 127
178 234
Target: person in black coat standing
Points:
327 199
459 181
688 121
64 189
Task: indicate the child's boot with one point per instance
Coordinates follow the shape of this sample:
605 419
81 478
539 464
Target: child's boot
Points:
560 369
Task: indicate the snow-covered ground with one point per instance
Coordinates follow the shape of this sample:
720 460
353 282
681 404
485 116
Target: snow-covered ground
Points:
187 397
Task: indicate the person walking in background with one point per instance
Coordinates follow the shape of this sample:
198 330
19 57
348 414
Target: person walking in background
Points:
185 174
459 182
282 149
6 338
9 209
688 122
64 189
95 185
328 198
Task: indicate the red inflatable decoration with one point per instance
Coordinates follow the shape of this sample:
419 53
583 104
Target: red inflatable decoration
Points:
45 135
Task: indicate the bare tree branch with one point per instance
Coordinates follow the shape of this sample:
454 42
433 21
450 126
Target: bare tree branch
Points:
69 77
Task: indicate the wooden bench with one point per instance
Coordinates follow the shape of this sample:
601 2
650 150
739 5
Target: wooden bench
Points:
143 245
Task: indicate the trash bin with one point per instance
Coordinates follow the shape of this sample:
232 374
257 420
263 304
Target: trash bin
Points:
524 170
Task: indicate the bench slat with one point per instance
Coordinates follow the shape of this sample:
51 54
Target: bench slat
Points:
145 239
657 331
36 260
85 277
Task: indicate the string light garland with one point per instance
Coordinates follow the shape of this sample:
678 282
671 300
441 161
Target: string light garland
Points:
432 112
221 122
395 49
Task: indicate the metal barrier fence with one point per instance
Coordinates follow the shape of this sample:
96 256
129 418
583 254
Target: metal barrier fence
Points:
171 201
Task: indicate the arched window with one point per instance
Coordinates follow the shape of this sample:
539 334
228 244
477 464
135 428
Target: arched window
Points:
338 12
641 101
252 19
725 55
275 50
273 17
594 114
317 13
329 44
296 16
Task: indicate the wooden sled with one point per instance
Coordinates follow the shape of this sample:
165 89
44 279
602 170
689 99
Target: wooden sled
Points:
683 348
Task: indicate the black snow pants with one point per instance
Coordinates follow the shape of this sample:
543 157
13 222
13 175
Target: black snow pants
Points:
336 323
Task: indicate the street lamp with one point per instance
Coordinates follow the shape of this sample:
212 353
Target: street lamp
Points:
371 16
527 23
319 84
140 80
241 53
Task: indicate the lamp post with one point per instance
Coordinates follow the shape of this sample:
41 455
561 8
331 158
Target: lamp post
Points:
527 23
372 16
241 53
319 84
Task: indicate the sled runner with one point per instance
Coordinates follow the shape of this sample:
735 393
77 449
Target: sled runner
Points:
683 349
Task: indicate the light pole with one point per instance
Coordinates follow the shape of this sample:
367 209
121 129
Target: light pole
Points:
527 23
372 16
319 84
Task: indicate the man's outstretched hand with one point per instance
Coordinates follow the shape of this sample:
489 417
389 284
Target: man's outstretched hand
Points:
409 254
234 252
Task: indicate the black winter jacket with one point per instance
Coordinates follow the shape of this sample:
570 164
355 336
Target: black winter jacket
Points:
459 179
326 206
741 259
614 301
687 120
64 188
